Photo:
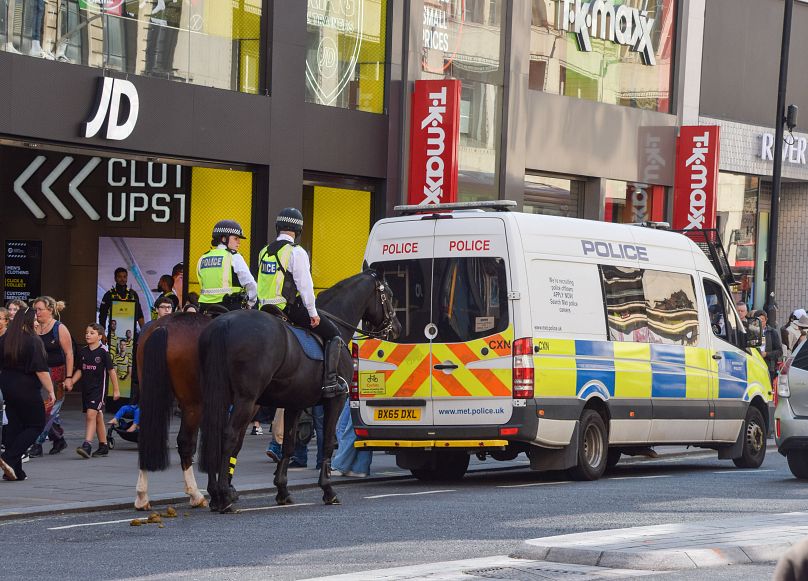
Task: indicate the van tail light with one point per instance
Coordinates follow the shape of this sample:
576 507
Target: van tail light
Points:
523 368
782 381
354 392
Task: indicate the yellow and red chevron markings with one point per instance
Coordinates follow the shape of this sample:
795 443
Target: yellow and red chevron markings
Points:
413 367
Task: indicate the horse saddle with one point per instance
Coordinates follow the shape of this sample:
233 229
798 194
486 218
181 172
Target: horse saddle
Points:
311 344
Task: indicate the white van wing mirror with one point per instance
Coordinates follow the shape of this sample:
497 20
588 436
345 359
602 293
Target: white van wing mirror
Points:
754 332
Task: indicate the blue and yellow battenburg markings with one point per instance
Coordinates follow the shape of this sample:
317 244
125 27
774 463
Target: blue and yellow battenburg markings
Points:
581 368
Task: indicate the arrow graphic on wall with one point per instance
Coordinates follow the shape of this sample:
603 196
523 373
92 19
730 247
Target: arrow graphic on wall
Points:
48 192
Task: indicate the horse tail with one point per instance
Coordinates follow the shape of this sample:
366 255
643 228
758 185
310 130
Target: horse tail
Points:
216 396
156 401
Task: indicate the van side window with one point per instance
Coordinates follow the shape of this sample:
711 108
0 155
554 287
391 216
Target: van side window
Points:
722 318
670 303
801 359
625 303
650 306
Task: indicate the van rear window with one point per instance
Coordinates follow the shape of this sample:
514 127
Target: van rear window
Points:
466 298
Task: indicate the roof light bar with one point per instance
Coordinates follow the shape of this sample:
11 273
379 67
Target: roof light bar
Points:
496 205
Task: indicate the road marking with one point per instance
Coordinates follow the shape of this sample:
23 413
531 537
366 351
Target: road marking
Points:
274 507
91 524
731 471
532 484
637 477
409 493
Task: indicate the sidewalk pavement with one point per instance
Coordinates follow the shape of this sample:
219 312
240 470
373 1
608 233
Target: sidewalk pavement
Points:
738 541
68 483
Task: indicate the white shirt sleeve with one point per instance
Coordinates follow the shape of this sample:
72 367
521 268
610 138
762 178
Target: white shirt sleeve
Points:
300 268
245 277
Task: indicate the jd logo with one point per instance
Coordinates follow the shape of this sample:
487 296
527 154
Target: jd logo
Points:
117 107
331 67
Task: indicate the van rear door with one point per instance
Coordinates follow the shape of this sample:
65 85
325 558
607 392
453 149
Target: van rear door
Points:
395 379
471 348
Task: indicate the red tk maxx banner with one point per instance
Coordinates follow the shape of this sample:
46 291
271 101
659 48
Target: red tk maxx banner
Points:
696 180
434 134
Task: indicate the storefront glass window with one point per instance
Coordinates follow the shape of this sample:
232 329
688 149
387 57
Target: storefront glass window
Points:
553 196
205 42
346 53
737 223
462 39
630 202
601 62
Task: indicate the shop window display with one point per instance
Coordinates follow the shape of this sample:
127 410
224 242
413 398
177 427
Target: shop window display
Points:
346 53
632 202
462 39
205 42
600 63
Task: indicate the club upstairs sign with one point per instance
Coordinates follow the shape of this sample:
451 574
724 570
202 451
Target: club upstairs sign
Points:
602 19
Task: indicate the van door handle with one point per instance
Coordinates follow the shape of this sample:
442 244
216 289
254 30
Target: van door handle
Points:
717 356
441 366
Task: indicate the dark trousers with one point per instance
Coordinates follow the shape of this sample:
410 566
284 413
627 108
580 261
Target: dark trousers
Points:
298 314
26 420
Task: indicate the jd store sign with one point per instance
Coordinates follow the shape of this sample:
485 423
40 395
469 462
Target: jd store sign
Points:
609 20
113 190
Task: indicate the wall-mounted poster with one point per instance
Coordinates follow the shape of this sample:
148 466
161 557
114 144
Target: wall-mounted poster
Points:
23 271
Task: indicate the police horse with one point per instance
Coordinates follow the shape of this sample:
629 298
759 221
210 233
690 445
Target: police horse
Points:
251 358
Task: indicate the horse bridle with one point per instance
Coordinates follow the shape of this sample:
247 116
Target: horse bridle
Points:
386 326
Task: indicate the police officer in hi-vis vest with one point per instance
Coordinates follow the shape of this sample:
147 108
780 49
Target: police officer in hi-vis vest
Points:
223 274
284 280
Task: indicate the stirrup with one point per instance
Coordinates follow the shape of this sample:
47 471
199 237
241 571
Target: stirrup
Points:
335 389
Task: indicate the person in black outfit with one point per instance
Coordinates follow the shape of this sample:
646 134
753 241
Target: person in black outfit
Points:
23 368
772 347
120 292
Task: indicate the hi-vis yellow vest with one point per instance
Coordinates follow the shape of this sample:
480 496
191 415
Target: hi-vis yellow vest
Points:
271 275
215 272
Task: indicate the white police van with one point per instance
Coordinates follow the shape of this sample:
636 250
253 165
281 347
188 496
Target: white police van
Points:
571 340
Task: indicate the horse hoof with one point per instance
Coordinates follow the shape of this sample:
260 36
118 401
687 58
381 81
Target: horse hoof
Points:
233 493
227 510
284 501
146 506
200 502
331 501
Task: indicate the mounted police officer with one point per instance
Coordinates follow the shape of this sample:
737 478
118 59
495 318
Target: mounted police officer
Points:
284 280
223 274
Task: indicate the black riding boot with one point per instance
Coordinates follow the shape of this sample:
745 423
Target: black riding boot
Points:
332 385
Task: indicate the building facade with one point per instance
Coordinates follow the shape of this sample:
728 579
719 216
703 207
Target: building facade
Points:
128 128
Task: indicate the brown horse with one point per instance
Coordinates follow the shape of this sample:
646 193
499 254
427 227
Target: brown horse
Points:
168 368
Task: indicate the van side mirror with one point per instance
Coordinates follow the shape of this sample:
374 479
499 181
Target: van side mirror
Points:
754 332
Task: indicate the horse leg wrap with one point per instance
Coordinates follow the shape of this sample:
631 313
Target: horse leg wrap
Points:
232 465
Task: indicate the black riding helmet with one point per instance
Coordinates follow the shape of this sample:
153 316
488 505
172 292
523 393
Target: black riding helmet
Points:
227 228
290 220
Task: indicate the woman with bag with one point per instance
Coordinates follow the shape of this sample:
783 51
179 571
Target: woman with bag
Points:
23 370
59 350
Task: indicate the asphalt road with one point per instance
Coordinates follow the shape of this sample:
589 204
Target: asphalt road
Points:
390 524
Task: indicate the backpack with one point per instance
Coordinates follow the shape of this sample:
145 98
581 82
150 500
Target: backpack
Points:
75 347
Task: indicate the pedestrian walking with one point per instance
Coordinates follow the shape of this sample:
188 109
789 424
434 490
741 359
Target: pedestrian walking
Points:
94 369
349 461
59 351
771 347
23 370
790 332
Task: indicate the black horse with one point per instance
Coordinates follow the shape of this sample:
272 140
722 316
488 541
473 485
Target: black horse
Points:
251 357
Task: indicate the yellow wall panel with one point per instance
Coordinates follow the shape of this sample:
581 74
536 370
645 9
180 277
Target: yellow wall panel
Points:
217 194
340 229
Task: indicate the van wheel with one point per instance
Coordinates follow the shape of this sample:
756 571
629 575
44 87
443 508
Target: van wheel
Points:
448 466
613 457
754 440
798 463
593 447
